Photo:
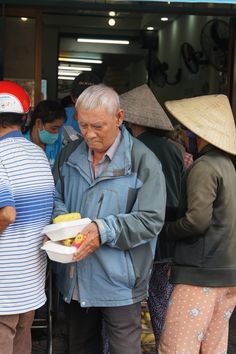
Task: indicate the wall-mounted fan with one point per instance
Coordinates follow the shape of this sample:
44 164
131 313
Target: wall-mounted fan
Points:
192 58
157 70
215 42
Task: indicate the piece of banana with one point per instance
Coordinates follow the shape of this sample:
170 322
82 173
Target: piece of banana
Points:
67 242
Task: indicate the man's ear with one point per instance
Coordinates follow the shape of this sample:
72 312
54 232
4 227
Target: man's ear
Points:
120 117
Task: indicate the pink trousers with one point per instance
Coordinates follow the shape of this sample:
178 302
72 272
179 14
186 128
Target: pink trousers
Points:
15 333
197 320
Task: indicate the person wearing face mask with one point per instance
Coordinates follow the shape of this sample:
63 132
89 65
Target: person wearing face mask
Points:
44 128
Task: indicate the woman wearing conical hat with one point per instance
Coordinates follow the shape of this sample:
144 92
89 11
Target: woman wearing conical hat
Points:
204 270
149 123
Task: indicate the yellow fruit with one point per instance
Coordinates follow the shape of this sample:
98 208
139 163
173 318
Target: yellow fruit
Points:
147 317
148 338
78 240
67 242
66 217
142 336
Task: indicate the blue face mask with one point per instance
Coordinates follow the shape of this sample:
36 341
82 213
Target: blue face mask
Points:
47 138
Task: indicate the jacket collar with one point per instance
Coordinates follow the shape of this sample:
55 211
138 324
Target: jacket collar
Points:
208 148
120 164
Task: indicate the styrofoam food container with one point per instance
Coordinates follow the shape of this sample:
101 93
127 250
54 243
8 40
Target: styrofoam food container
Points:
59 253
64 230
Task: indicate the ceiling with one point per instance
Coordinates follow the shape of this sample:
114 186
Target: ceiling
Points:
93 23
90 18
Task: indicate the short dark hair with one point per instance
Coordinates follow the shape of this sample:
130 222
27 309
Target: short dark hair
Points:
8 119
47 111
82 81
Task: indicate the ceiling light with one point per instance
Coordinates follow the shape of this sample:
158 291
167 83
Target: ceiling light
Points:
112 13
150 28
78 60
75 68
111 22
104 41
164 19
24 19
66 73
65 78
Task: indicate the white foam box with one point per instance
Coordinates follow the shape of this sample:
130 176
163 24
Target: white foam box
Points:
64 230
59 253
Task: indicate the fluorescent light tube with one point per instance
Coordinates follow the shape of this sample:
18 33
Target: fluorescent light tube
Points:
66 78
78 60
102 41
68 73
75 68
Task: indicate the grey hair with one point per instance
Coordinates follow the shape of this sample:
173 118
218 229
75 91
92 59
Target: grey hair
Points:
99 96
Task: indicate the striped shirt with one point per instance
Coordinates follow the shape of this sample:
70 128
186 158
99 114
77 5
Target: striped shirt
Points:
26 183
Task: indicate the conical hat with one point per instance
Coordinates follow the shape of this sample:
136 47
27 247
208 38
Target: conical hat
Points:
141 107
210 117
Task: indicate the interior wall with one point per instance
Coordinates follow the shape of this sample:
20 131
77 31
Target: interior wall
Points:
19 53
208 80
49 66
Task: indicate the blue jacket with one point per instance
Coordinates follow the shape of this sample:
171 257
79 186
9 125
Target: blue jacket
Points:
128 203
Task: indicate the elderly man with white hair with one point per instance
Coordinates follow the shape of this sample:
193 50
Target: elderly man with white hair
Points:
109 177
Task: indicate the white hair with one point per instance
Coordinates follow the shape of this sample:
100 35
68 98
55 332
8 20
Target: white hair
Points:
99 96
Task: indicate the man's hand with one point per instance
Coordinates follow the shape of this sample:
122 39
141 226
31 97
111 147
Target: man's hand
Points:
91 242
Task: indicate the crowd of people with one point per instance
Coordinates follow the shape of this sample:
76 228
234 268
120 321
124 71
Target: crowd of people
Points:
162 210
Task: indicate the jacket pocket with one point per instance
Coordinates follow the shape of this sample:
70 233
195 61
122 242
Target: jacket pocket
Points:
130 270
114 267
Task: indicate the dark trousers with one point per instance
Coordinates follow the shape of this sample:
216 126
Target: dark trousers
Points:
123 328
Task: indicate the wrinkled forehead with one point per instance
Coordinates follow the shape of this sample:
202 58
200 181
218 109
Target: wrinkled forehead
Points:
99 111
98 114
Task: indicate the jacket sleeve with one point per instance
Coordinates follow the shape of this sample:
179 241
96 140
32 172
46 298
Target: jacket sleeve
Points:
201 192
145 220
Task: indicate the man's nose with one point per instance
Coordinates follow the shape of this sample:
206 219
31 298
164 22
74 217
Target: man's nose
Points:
90 133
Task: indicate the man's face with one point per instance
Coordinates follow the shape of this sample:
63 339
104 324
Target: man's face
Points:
99 127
